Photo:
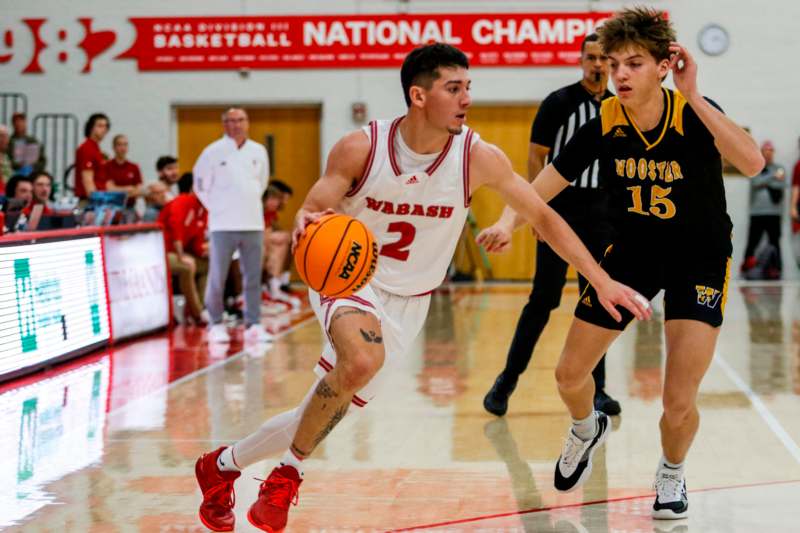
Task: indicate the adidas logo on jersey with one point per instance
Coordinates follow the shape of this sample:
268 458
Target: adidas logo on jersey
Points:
619 133
587 301
412 179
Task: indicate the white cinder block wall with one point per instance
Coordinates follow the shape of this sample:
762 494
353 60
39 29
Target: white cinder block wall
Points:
755 81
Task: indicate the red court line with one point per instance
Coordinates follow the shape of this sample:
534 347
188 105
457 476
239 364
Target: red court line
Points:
586 504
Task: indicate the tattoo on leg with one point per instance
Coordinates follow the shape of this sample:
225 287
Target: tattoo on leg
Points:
370 336
350 311
337 417
325 391
298 452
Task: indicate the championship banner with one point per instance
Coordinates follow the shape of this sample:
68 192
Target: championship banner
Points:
356 41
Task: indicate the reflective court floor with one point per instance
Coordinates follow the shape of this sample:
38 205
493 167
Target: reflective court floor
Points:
107 443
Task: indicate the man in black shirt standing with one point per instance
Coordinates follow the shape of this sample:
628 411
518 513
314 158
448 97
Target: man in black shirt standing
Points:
582 205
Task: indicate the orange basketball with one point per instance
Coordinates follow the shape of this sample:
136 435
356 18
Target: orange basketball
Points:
336 256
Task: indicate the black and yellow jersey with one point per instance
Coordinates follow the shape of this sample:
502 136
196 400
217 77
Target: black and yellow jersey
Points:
665 185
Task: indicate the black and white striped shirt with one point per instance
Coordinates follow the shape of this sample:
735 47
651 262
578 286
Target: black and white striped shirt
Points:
561 114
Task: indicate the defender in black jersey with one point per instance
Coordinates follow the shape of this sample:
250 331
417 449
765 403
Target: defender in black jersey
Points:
659 154
668 205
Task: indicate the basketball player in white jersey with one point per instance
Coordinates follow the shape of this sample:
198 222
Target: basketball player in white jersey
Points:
410 181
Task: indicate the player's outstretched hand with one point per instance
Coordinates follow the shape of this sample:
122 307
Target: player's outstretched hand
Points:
495 239
303 220
684 69
614 293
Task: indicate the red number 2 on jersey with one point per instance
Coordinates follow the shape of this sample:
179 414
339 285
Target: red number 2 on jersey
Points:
399 249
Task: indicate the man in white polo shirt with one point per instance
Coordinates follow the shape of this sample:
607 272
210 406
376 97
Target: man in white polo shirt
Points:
229 178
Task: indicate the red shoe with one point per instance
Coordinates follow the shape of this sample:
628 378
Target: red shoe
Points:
271 510
216 511
748 263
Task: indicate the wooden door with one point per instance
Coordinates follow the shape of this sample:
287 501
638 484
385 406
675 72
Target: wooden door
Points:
508 127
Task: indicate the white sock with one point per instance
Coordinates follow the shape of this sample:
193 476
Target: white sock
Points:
285 278
274 286
274 435
226 462
290 459
587 428
674 467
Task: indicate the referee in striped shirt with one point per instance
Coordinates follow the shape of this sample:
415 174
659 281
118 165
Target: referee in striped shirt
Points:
583 206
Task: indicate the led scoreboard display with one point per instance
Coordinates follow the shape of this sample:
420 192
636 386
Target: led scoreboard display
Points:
52 301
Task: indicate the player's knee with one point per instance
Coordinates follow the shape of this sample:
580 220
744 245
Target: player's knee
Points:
570 376
359 369
678 408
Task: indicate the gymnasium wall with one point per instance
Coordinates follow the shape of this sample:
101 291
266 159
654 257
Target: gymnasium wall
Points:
754 81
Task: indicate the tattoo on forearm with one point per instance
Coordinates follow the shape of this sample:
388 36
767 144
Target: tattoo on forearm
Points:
371 336
325 391
337 417
298 452
350 311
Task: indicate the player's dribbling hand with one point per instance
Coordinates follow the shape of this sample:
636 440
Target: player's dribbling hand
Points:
614 293
303 220
684 69
495 239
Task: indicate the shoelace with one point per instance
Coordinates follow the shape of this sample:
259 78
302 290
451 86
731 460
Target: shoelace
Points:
573 449
669 486
222 494
281 491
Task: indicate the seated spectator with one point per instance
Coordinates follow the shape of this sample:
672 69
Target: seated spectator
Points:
156 198
26 151
277 243
42 192
20 187
121 174
89 160
185 220
167 167
5 162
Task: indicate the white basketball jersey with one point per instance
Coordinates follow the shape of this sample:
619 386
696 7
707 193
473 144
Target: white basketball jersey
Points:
416 217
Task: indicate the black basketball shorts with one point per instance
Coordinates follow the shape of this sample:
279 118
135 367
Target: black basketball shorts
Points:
695 287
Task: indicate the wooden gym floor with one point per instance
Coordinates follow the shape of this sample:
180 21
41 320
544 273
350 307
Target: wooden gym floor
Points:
107 443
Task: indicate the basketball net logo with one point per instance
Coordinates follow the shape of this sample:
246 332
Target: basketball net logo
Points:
352 260
707 296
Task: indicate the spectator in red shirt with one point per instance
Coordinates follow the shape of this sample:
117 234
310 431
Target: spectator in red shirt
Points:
121 174
794 209
42 191
184 220
89 160
277 242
